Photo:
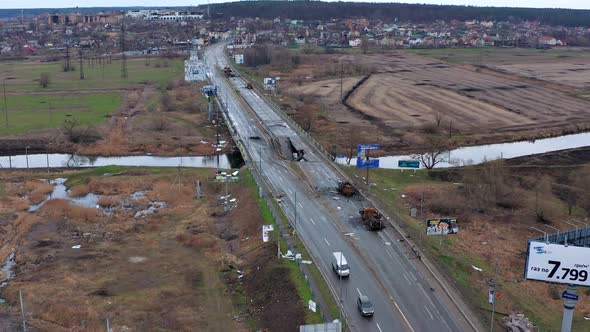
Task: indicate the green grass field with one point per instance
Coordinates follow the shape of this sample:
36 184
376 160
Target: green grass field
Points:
33 112
24 75
497 55
37 111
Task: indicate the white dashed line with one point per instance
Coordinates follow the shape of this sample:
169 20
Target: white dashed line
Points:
379 327
313 222
300 204
359 292
408 280
328 243
428 311
403 316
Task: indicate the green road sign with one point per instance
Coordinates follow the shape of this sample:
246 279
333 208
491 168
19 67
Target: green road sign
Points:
408 163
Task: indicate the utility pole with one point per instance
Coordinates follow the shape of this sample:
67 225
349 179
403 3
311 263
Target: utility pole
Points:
22 309
295 207
5 105
67 66
492 296
340 284
341 79
568 308
81 64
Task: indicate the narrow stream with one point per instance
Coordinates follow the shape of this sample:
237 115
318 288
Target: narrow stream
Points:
73 160
477 154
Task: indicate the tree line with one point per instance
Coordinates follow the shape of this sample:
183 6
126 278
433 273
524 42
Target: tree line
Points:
316 10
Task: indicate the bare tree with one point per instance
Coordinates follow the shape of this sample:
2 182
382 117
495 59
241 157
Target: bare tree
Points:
435 151
71 128
44 80
438 118
365 44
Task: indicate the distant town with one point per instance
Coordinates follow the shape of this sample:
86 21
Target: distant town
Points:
46 33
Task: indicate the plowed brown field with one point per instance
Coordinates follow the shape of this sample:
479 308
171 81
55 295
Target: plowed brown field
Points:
409 92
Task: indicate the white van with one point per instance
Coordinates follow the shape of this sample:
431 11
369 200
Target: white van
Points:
339 265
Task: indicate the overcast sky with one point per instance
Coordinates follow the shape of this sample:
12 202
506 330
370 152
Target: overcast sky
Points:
577 4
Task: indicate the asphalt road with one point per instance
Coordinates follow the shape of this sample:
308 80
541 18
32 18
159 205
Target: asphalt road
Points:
326 222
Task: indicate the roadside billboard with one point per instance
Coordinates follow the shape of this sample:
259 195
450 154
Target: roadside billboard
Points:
362 158
239 59
195 71
441 226
557 263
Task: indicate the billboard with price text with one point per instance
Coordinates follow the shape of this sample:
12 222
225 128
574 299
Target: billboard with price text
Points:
558 263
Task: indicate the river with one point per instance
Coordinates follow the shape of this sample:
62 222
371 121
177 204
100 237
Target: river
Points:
471 155
69 160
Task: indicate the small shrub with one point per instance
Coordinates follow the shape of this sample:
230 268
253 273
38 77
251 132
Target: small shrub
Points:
44 80
107 201
59 208
159 123
430 128
79 190
168 105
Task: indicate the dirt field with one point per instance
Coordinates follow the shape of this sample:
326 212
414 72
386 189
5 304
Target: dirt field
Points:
174 270
574 74
564 66
407 93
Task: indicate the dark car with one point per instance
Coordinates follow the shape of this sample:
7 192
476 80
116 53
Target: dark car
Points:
365 306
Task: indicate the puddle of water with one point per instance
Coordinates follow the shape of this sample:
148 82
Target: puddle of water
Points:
478 154
7 268
60 191
69 160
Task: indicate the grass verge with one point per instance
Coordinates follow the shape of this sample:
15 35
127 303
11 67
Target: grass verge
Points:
298 279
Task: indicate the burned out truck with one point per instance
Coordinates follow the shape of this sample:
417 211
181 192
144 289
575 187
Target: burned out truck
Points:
346 188
372 219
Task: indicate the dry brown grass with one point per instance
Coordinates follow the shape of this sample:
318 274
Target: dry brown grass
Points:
117 185
38 190
173 194
59 208
66 315
107 201
79 190
198 241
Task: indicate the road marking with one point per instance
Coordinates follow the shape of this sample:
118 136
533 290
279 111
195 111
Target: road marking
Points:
390 255
408 280
431 317
403 316
446 325
289 190
313 222
359 292
426 295
379 327
328 243
300 204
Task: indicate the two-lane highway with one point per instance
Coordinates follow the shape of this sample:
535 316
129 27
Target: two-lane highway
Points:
403 298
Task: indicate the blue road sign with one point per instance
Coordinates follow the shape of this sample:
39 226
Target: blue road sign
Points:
363 160
569 296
